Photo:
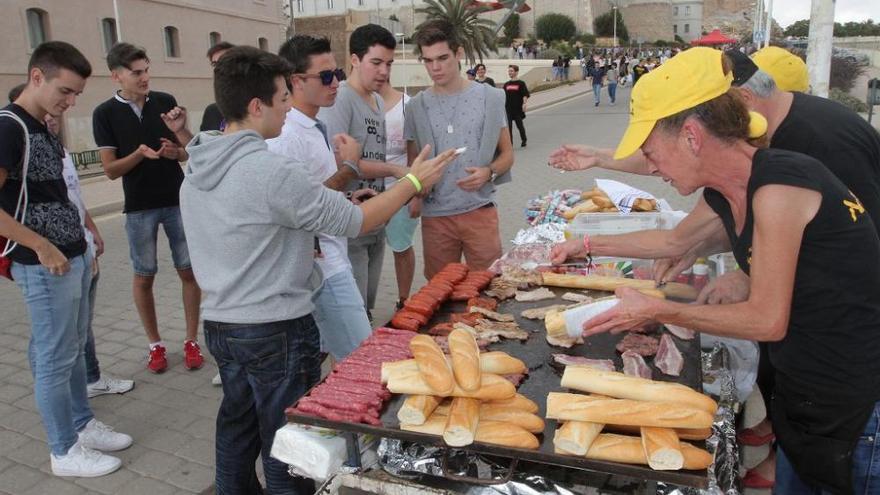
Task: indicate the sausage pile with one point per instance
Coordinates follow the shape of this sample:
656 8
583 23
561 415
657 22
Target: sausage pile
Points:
453 282
353 392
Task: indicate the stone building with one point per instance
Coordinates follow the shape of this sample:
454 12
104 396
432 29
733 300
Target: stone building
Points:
176 36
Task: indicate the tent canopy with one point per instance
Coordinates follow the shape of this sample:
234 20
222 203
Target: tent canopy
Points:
713 38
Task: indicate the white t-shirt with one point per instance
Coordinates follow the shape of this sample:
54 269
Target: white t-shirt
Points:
74 193
395 151
302 141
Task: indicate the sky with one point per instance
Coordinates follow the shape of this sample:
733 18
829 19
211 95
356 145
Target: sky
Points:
788 11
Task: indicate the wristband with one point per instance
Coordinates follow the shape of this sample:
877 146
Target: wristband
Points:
354 166
587 244
415 182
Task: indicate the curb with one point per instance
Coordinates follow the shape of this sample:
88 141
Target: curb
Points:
560 100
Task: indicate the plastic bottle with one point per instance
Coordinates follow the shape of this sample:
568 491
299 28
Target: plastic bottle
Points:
701 274
684 277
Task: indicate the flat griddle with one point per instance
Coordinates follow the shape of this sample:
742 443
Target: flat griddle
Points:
542 379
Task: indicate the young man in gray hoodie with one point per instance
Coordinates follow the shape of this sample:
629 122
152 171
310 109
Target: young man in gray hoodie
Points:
251 217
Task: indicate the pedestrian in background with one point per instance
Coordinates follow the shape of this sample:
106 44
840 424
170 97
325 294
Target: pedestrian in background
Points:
481 75
612 75
517 95
212 119
597 75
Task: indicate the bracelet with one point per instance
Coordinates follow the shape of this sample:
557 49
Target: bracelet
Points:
587 244
354 166
415 182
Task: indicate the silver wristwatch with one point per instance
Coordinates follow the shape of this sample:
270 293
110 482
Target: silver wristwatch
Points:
354 166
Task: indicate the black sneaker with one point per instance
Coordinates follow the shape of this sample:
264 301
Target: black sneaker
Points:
523 144
399 304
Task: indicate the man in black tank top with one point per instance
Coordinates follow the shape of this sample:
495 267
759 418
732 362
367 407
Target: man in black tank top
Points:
786 218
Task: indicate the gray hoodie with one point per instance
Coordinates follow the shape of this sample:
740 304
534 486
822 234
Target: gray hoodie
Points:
250 218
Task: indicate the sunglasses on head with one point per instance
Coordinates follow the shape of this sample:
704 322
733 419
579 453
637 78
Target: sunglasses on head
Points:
326 76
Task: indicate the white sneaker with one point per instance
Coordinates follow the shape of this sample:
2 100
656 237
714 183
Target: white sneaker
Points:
217 380
84 462
97 435
108 385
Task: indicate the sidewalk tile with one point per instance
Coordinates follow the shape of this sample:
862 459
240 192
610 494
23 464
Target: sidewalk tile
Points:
32 453
19 478
165 440
19 420
10 392
148 486
10 440
200 451
110 484
54 486
191 476
153 463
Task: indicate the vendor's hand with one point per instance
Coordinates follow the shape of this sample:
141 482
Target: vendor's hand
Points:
477 177
635 310
572 157
148 152
51 258
415 207
362 195
730 288
347 147
666 269
99 242
175 119
428 172
563 251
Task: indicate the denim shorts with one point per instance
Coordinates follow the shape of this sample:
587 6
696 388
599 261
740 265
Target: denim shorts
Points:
142 228
400 230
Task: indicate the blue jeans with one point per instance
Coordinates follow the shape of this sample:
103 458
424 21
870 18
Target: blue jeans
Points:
142 228
612 91
93 370
58 308
340 315
597 92
265 368
866 465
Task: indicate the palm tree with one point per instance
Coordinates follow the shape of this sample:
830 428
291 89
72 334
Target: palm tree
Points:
476 34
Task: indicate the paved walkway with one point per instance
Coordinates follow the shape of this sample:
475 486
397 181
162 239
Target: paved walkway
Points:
171 416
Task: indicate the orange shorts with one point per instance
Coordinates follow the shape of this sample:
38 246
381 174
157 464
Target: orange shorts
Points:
474 234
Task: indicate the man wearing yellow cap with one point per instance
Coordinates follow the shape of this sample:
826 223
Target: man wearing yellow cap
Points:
784 215
787 69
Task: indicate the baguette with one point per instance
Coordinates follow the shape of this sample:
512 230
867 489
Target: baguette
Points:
526 420
432 365
518 401
593 192
416 409
497 362
610 284
587 206
465 359
683 433
662 448
603 201
575 437
576 407
621 386
493 387
461 424
628 450
493 432
554 322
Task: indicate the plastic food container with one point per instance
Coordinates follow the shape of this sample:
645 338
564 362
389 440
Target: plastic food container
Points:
612 223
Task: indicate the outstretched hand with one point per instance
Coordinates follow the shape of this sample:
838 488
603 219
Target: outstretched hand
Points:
634 310
571 157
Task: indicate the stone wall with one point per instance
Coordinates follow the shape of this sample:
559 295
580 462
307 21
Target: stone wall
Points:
648 21
333 27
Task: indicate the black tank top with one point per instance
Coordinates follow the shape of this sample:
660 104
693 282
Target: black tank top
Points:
828 364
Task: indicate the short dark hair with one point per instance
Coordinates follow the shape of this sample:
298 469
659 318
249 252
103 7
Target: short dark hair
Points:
297 50
364 37
514 67
124 54
245 73
219 47
436 31
53 55
15 92
479 66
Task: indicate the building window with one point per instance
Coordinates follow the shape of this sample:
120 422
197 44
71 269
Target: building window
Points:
38 27
675 29
360 3
172 42
264 44
108 33
214 38
687 10
300 5
687 28
674 10
329 4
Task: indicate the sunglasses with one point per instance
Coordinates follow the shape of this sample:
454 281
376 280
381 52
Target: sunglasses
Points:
326 76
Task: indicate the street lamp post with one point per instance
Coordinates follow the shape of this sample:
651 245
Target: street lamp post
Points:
614 8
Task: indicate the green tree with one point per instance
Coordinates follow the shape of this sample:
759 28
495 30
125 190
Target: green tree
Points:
476 34
553 27
511 29
604 26
798 29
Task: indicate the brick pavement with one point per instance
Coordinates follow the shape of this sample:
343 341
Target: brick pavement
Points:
171 416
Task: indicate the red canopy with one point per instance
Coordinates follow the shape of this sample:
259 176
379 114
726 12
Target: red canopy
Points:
713 38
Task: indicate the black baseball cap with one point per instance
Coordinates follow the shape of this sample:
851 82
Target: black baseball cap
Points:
743 67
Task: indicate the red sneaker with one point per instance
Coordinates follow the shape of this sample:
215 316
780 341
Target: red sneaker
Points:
157 363
192 355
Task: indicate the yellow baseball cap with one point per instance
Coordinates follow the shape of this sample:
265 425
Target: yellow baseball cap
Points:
692 77
787 69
